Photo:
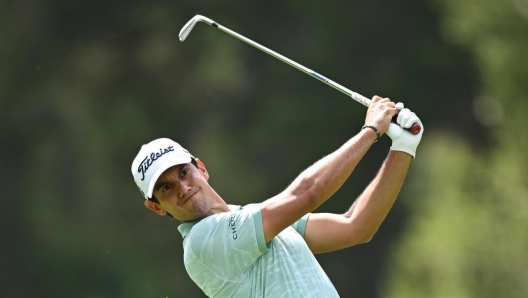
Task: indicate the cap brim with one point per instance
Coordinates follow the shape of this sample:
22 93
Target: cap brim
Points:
177 160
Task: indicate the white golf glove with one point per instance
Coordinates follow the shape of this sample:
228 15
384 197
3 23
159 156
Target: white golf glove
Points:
402 139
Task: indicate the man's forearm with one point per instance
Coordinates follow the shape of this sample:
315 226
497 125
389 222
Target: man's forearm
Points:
314 185
326 176
372 206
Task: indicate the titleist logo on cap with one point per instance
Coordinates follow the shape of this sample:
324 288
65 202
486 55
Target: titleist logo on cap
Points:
149 160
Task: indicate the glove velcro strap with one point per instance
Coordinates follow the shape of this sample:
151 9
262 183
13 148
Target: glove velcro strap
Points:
403 148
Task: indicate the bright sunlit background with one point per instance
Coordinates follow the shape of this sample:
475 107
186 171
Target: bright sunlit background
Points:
83 84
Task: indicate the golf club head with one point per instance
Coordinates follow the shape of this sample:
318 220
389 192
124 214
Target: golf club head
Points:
184 32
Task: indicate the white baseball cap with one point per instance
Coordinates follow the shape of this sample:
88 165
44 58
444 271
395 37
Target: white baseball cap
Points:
153 159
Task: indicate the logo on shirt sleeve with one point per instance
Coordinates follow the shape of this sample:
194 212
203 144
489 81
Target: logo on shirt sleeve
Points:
232 226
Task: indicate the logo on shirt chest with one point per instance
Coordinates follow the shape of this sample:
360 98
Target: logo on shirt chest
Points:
232 226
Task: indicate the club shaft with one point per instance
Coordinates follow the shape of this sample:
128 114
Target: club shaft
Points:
414 129
356 96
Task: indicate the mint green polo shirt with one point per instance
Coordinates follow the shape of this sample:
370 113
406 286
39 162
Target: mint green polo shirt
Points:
226 255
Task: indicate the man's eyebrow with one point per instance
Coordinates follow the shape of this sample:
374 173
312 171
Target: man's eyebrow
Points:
160 183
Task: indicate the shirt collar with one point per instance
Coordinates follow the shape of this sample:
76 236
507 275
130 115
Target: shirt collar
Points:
186 227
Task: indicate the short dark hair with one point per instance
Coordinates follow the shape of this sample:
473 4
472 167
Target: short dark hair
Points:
153 199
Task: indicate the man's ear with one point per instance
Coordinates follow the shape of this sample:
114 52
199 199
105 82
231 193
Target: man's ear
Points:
202 168
155 207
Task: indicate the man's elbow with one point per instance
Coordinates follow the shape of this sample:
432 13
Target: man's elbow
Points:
311 194
365 237
357 240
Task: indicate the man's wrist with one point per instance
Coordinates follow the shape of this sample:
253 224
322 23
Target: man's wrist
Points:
373 129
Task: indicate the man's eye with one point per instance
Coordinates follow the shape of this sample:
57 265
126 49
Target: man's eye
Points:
184 172
165 187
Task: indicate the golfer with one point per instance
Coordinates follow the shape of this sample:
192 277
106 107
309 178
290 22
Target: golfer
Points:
267 249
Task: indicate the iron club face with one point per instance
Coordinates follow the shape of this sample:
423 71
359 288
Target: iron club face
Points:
184 32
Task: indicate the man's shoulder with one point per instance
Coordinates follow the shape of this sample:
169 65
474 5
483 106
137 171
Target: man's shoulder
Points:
245 207
210 223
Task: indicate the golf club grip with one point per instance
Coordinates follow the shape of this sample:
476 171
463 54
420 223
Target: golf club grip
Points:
414 129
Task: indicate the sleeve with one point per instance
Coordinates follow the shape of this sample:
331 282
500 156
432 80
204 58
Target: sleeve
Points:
300 225
228 243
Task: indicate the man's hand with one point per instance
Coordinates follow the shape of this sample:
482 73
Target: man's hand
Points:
403 140
380 113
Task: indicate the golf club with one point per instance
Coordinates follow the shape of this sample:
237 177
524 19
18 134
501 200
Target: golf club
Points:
415 128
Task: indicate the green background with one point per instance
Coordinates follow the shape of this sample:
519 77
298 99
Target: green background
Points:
84 83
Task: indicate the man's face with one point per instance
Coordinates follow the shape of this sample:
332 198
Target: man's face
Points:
183 191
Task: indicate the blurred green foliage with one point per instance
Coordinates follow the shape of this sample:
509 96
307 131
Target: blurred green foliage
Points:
467 233
84 84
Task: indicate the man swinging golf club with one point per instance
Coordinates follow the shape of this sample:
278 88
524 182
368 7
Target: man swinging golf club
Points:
267 249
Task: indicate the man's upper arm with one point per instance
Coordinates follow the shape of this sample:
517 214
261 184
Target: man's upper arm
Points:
327 232
281 212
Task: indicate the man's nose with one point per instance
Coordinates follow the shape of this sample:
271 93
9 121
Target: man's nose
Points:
183 189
